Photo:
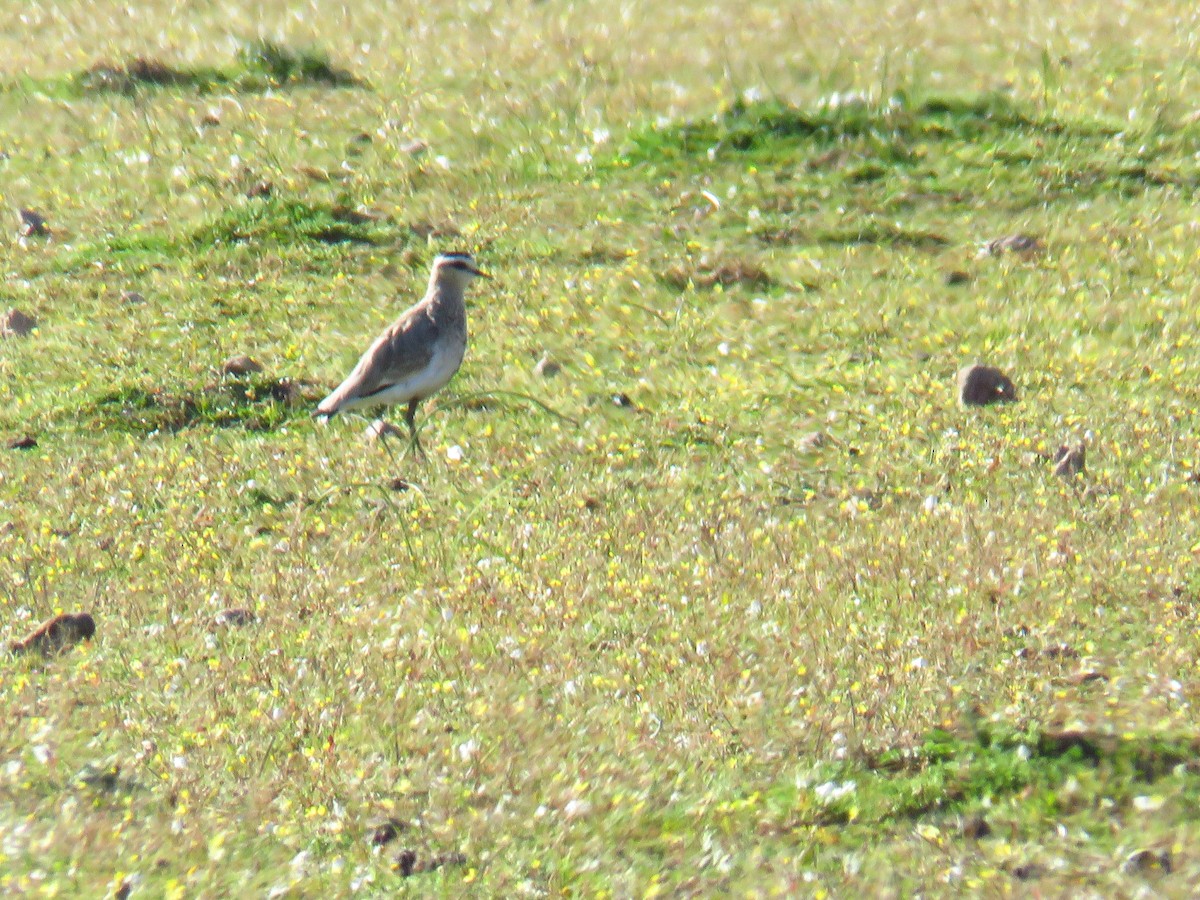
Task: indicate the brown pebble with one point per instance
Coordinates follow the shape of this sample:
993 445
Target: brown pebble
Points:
983 385
1027 871
32 224
624 401
262 188
1070 461
1147 861
132 297
406 862
814 440
957 277
237 617
241 365
15 323
976 827
24 442
1020 244
385 832
57 634
546 367
210 119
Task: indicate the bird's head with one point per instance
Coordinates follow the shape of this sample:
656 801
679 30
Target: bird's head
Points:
456 269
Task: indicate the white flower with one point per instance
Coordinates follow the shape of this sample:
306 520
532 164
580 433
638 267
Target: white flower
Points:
576 808
832 790
455 453
467 750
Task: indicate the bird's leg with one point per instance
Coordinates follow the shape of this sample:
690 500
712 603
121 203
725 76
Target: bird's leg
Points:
410 418
380 428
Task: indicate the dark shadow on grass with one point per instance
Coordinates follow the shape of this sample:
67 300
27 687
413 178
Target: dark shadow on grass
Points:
257 66
730 273
257 404
772 127
278 220
872 232
273 221
948 771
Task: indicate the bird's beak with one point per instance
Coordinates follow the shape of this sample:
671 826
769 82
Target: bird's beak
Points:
483 274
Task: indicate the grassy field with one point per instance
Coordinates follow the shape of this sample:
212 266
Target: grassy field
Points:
740 600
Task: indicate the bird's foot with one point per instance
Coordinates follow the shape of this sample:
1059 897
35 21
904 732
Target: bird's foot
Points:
379 430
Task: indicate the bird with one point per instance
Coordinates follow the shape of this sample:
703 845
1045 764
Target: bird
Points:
418 354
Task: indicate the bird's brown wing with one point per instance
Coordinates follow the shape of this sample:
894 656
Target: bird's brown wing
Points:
401 351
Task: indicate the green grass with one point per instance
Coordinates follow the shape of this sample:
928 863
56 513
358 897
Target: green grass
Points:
631 630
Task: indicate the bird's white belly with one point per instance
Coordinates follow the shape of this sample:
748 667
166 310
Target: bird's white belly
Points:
445 362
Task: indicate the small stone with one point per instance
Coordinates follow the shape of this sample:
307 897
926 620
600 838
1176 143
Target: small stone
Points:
57 634
984 385
312 172
814 440
105 779
446 861
15 323
414 147
1020 244
32 224
261 188
385 832
406 862
1070 461
210 119
353 215
1027 871
1146 860
240 366
624 401
1086 676
957 277
976 827
546 367
235 617
132 297
24 442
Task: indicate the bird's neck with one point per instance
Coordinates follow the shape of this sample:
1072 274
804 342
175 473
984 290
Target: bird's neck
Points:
443 293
